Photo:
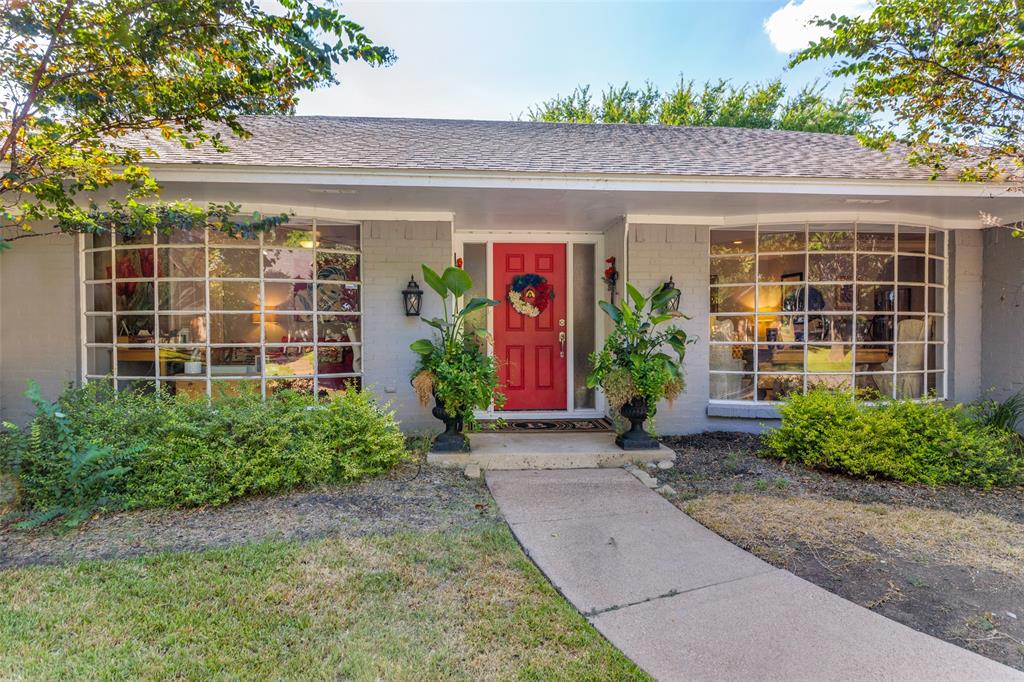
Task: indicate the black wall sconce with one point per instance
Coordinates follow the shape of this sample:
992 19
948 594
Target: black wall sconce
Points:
671 304
413 297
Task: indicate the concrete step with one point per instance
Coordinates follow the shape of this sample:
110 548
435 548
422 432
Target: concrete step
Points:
547 450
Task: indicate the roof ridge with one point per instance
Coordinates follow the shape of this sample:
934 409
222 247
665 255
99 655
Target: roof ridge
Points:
540 124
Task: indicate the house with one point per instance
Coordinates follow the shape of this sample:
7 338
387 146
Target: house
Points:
803 260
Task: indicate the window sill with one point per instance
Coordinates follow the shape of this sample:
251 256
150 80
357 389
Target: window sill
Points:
739 411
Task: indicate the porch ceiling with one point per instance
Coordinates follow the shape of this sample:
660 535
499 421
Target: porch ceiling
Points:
553 209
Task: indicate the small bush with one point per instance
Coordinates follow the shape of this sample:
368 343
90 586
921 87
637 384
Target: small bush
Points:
180 451
1006 414
902 440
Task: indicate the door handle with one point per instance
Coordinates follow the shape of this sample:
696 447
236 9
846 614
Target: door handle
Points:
561 343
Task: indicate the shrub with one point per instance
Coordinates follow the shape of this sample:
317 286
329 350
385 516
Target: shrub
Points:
902 440
1006 414
180 451
81 475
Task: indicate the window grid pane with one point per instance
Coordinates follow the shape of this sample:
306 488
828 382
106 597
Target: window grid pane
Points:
206 314
858 307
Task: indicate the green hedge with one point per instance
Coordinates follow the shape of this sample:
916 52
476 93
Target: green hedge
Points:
902 440
162 450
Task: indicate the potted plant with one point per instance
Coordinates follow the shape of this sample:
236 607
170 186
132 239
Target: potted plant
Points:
194 365
454 368
640 364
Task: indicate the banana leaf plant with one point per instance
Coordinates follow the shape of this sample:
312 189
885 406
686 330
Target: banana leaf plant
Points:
454 367
641 362
451 286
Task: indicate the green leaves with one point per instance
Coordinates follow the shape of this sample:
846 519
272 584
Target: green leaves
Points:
716 103
948 75
478 303
905 440
454 281
422 346
639 301
611 311
94 450
662 296
633 361
463 376
434 281
678 341
84 81
457 281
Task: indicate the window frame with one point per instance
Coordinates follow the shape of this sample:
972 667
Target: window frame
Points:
941 334
86 254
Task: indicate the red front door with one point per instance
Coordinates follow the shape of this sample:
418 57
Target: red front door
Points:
529 326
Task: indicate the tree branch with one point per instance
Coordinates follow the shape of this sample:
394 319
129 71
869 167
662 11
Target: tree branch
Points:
18 120
956 74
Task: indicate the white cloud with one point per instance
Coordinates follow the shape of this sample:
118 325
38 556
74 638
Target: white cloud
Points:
788 27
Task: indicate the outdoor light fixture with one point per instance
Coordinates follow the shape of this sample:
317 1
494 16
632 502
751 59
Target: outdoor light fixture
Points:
671 304
413 296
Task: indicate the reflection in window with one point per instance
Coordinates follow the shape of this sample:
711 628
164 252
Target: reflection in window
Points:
198 313
858 307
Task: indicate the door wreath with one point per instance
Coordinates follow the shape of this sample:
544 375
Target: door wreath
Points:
530 294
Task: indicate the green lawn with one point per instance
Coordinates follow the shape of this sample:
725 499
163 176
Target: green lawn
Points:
461 605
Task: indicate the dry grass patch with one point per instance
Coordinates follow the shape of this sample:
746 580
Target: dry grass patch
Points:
465 605
846 531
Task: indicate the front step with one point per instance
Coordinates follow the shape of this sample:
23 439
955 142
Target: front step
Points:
546 450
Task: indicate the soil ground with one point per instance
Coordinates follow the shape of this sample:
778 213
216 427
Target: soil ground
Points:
413 497
948 561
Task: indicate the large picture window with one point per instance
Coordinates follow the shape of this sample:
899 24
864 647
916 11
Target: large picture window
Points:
858 307
203 313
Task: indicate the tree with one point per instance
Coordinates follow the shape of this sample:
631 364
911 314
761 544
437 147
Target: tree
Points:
713 104
948 75
80 78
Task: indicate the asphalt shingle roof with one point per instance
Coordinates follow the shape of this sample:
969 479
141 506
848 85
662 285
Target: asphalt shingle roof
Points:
515 146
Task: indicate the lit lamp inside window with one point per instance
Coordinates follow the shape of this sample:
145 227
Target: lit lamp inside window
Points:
769 301
413 297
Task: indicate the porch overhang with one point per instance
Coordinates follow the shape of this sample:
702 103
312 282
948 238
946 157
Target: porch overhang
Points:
588 202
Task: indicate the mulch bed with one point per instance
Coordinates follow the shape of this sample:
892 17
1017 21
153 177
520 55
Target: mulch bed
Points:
968 605
413 497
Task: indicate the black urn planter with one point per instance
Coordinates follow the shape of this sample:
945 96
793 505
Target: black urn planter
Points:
453 439
636 438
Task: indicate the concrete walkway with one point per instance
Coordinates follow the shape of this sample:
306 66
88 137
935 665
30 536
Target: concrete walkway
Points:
685 604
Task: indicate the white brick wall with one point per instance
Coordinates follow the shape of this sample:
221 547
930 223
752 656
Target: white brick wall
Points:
392 251
1002 335
655 253
614 246
39 334
965 324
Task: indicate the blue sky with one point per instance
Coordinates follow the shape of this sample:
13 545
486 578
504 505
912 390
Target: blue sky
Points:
492 60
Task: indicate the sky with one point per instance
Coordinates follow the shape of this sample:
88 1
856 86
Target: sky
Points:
494 60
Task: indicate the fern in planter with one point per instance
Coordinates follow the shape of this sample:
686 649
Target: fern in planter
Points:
453 366
640 364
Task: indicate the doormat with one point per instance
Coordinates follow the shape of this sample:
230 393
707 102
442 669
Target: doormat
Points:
599 424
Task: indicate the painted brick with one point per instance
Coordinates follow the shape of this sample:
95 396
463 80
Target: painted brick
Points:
1002 316
965 297
682 254
38 321
392 251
